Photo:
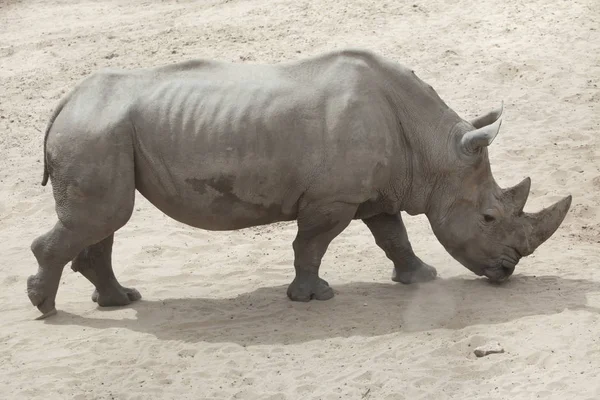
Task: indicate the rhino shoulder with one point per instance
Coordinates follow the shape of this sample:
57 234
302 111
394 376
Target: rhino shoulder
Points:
358 63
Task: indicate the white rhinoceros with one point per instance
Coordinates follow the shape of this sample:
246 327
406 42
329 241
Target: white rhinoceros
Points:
219 146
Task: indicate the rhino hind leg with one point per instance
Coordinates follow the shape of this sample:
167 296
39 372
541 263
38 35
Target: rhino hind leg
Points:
94 194
52 250
391 236
95 263
317 227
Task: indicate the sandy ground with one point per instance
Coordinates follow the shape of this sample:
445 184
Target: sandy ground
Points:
215 322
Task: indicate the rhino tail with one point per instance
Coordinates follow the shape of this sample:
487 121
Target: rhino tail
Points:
55 114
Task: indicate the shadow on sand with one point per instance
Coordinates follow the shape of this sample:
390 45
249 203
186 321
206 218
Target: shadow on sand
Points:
266 316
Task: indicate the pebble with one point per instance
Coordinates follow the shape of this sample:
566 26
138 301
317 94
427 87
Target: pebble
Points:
489 348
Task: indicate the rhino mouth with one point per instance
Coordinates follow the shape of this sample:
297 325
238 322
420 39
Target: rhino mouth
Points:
500 272
497 271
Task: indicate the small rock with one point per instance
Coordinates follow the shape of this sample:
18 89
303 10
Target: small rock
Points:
489 348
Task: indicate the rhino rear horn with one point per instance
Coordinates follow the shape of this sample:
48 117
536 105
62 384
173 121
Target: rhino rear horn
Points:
518 194
486 129
545 223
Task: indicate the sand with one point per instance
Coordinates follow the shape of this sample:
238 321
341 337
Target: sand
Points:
215 322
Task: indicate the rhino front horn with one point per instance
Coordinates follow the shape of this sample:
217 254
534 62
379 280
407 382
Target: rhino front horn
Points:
545 223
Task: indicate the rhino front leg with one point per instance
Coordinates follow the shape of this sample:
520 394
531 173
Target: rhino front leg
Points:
95 263
390 234
317 227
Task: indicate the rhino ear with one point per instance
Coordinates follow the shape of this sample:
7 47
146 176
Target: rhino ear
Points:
487 127
487 119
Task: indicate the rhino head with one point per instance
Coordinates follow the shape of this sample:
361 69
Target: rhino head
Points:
480 224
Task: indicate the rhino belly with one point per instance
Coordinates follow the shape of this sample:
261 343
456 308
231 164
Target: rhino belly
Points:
212 192
216 200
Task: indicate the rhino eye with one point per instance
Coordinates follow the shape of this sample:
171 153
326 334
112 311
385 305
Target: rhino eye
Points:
488 218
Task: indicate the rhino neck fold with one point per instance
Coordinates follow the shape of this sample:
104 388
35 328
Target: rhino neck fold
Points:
426 147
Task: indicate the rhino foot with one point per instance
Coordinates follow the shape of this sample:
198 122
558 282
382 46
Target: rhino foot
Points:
418 272
118 296
39 296
308 288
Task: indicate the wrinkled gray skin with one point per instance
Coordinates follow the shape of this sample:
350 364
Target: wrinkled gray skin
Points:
218 146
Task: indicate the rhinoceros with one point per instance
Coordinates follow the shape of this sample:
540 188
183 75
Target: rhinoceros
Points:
322 141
